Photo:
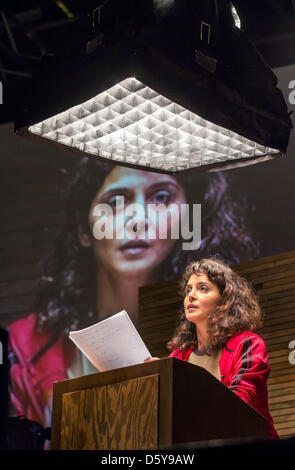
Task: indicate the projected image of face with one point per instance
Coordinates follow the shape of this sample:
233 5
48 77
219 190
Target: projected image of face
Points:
84 279
146 251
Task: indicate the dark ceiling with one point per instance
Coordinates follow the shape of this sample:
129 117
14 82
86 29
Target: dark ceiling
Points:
270 24
29 29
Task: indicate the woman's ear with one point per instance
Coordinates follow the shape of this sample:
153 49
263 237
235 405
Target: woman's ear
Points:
84 237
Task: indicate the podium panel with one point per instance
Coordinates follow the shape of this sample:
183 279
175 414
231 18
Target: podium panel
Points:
123 415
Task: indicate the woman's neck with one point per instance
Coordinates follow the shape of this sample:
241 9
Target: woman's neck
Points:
202 336
116 292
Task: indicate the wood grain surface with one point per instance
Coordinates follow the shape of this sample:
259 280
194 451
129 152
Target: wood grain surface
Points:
123 415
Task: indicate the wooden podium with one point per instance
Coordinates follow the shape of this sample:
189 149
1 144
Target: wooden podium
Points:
148 406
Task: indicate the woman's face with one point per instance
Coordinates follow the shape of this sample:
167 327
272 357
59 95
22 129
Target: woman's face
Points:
201 298
147 251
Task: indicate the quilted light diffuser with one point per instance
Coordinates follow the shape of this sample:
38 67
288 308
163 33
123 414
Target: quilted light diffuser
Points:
174 89
134 124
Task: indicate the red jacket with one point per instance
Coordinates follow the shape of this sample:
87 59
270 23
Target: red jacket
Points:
244 369
32 383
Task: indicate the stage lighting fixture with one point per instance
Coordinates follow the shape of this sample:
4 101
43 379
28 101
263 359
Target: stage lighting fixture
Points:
169 87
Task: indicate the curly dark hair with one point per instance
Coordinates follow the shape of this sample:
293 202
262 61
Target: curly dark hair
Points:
238 309
66 296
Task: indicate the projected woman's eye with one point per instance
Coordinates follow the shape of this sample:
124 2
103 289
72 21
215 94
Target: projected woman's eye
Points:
113 200
162 196
116 199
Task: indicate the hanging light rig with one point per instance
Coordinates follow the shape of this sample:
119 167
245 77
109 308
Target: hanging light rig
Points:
162 105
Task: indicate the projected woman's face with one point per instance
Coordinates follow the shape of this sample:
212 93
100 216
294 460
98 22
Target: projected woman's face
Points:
139 240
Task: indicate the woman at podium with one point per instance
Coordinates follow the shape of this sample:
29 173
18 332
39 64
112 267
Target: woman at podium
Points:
216 331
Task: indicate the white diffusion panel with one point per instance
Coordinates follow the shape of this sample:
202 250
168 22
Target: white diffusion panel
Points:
132 123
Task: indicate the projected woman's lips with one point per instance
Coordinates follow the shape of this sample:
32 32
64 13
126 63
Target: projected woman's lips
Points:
135 247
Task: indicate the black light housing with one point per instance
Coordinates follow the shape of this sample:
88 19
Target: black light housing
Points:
164 89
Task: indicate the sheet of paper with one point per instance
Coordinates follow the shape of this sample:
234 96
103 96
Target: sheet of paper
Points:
111 343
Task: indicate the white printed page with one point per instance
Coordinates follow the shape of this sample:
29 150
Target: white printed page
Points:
111 343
